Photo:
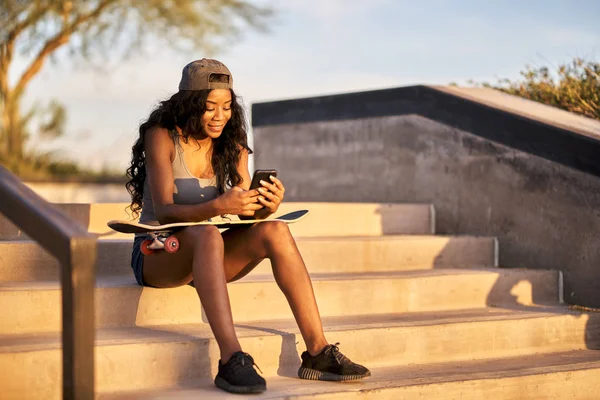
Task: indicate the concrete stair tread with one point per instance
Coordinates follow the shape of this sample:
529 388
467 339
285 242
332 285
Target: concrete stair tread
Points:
390 378
407 274
366 218
176 356
25 261
120 280
260 329
388 237
127 241
121 302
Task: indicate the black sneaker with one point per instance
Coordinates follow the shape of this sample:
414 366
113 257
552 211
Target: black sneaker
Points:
330 365
239 376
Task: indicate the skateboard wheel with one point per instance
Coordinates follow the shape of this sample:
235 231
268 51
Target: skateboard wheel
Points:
171 244
144 247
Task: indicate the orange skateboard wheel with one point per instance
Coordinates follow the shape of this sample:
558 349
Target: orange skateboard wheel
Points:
171 244
144 247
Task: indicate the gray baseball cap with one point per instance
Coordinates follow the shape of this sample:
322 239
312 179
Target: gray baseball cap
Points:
196 75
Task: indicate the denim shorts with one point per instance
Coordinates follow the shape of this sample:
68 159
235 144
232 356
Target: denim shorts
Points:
137 260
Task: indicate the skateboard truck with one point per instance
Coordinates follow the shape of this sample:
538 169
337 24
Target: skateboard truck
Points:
159 241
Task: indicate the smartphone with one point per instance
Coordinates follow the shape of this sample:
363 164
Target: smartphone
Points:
261 175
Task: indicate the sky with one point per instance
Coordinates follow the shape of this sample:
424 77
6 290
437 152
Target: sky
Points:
318 47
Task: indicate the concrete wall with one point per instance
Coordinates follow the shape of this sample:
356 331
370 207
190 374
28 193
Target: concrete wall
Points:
545 214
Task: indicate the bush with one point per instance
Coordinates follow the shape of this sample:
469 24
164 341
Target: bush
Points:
574 87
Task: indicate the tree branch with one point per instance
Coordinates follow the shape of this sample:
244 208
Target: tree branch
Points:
54 43
3 73
3 87
31 19
6 54
9 45
7 48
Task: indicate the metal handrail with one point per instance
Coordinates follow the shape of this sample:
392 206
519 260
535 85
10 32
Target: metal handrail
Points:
75 249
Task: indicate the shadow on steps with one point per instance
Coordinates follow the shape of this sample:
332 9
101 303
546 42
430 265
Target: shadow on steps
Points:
507 292
288 356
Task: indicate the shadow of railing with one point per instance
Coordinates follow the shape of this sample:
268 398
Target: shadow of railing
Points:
75 249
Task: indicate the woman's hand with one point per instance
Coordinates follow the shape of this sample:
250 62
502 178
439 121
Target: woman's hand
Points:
238 201
271 194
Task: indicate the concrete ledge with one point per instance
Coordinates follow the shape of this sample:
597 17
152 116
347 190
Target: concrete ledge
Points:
573 145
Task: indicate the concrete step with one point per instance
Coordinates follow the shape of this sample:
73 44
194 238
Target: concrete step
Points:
171 356
568 375
35 306
22 260
325 219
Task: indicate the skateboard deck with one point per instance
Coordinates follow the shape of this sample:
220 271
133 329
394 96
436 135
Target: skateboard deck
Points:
219 222
161 234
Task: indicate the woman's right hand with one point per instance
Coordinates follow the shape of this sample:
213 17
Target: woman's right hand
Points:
238 201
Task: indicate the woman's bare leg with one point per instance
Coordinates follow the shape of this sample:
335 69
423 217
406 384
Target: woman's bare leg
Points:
243 248
201 258
273 240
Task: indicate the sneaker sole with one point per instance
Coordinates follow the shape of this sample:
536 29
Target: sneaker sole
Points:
314 375
223 384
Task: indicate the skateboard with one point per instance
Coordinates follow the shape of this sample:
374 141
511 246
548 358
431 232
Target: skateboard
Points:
161 235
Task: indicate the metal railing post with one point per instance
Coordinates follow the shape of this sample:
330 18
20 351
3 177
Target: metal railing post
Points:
78 329
76 250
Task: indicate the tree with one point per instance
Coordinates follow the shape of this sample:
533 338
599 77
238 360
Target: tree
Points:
573 87
93 30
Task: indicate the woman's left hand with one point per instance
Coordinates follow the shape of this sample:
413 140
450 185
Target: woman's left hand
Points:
271 194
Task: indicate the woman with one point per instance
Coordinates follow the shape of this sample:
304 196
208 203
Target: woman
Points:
190 163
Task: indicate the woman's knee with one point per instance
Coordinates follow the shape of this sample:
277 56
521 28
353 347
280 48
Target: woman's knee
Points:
275 232
203 234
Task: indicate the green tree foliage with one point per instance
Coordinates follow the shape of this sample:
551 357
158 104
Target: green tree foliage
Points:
97 31
573 87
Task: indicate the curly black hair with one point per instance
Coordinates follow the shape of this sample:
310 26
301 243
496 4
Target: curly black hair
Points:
185 109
